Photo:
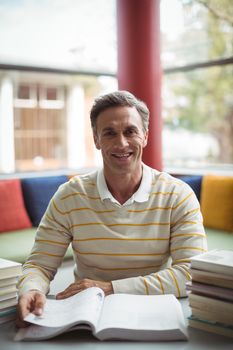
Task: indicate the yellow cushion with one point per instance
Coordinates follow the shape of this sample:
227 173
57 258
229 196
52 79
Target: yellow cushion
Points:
217 202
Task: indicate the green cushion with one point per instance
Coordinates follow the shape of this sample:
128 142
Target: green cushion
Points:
219 239
17 245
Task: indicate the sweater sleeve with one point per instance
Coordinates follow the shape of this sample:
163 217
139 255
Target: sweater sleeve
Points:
187 238
51 242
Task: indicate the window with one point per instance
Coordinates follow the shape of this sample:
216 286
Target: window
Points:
198 117
23 92
51 93
51 97
25 95
197 58
39 127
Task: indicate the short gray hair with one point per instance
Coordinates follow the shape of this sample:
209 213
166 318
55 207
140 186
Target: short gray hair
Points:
119 99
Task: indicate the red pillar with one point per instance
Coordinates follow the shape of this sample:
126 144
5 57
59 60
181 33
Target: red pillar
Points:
139 69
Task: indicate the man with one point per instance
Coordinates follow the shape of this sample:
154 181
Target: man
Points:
133 229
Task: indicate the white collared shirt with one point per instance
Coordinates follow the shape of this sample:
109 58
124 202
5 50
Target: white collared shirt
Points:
141 195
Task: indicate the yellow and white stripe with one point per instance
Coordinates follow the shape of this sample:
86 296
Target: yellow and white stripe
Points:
143 248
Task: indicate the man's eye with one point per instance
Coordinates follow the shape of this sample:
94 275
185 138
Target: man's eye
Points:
109 133
130 132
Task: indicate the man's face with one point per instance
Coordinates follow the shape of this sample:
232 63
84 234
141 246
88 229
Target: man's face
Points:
121 139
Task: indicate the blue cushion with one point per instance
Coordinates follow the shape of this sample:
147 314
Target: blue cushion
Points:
194 181
37 193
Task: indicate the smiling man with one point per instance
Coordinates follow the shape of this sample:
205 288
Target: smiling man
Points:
120 136
132 228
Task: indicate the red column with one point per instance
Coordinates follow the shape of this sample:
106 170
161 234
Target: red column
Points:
139 69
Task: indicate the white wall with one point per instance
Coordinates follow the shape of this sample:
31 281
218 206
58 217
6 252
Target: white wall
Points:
76 153
7 153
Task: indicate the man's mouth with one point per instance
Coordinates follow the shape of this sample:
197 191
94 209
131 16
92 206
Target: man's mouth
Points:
122 155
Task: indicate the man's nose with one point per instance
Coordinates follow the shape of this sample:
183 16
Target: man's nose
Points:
122 140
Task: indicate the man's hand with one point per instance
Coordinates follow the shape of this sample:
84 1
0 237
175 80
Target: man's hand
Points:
32 301
77 287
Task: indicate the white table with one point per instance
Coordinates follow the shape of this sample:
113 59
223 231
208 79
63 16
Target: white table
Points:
198 340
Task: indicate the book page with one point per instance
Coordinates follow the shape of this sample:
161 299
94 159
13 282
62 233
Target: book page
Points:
34 332
82 307
140 312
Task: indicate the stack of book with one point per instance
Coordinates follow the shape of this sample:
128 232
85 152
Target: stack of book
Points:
9 273
211 296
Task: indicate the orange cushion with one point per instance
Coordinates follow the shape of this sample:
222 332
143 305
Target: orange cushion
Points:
13 215
217 202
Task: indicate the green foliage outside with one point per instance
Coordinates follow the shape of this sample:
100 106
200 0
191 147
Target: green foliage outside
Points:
206 94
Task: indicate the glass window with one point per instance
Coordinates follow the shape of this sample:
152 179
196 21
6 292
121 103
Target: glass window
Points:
197 57
25 95
74 34
51 93
195 31
23 92
51 97
198 117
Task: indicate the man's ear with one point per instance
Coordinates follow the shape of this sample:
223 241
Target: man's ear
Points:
96 140
145 138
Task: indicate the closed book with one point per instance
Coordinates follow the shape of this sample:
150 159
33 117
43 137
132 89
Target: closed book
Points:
210 304
9 269
212 327
217 260
212 278
8 311
116 316
212 291
220 317
7 318
8 281
8 302
7 289
8 296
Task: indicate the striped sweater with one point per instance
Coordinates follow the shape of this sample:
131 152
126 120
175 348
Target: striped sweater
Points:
143 248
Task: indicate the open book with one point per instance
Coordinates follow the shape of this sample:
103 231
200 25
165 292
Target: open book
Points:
117 316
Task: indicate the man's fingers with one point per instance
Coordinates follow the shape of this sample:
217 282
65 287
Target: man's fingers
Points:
39 304
21 313
73 289
32 301
24 307
67 294
81 285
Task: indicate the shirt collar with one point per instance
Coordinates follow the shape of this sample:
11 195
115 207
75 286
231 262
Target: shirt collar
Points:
141 195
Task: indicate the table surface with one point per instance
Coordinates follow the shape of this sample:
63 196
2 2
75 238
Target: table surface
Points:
83 340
